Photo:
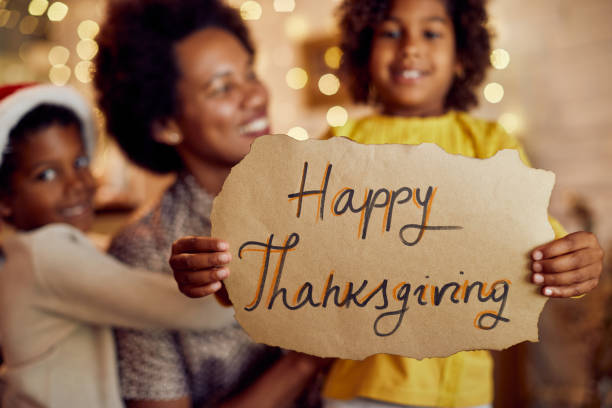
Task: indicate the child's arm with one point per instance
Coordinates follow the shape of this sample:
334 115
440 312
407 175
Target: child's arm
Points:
568 266
74 279
199 263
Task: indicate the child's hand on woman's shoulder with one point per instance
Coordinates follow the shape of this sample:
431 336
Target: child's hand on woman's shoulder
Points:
568 266
199 263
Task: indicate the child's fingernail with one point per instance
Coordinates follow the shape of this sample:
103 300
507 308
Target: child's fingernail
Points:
536 267
222 246
223 258
548 291
222 274
537 278
537 255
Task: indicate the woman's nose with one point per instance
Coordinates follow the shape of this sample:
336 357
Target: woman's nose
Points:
256 96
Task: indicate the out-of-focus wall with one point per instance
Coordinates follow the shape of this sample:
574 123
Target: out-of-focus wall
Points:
558 82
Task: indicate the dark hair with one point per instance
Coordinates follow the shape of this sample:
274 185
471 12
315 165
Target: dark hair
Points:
359 18
136 70
39 118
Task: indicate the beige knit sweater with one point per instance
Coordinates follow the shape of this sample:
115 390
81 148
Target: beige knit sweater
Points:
59 297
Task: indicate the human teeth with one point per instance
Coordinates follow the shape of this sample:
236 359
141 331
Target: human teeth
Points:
256 125
73 211
411 74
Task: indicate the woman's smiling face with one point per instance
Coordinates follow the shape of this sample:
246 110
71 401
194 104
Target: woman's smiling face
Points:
222 103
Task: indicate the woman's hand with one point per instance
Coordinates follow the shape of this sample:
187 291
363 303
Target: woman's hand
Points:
199 263
568 266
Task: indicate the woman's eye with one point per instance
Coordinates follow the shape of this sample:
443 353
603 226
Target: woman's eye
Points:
222 89
46 175
81 162
429 34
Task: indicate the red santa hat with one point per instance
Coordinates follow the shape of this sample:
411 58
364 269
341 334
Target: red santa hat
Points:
18 99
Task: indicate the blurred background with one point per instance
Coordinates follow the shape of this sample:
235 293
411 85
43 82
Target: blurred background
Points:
549 85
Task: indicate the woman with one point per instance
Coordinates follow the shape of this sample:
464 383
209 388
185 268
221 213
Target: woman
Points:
177 85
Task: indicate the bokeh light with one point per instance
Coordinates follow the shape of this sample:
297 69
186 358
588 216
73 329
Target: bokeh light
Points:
10 18
296 78
493 92
511 122
83 71
38 7
57 11
284 6
332 57
59 75
28 25
296 27
250 10
88 29
298 133
87 49
58 55
329 84
4 17
500 58
337 116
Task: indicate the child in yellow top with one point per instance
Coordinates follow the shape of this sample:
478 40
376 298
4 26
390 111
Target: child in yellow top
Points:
419 61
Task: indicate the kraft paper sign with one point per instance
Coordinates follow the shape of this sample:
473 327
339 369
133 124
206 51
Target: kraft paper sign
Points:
347 250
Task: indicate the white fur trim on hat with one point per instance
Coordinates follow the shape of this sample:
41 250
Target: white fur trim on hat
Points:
19 103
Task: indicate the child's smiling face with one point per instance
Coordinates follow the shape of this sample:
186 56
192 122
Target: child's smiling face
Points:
413 60
52 182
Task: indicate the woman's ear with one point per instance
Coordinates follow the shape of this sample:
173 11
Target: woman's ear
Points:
167 132
5 209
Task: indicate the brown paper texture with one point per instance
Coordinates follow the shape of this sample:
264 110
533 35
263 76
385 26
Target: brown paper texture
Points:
346 250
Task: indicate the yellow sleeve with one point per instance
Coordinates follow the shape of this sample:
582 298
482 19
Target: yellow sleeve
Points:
560 232
494 139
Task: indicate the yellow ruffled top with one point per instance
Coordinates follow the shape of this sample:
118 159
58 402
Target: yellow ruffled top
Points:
464 379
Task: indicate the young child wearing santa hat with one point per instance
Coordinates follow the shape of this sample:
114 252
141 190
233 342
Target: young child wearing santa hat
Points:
59 295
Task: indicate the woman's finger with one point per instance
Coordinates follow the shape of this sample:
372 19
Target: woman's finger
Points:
200 291
196 244
194 262
201 278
